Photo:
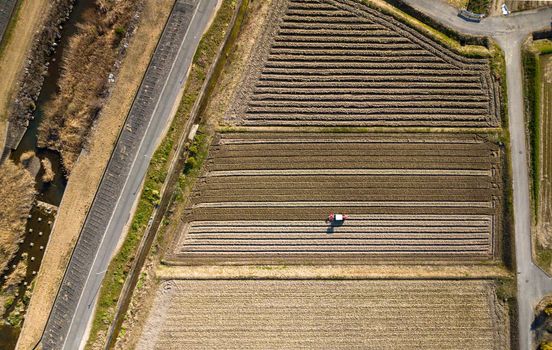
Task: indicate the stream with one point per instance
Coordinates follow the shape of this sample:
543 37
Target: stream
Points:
49 194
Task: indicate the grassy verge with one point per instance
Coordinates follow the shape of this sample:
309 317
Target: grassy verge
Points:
157 173
532 76
532 95
498 69
531 70
507 240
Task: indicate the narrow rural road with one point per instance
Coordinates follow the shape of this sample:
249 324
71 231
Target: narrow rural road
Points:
7 8
510 32
150 115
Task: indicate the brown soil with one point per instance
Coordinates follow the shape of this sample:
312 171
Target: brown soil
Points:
17 193
263 197
12 60
88 170
87 63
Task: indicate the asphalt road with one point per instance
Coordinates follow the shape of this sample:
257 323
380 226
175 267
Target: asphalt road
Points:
77 319
6 11
510 32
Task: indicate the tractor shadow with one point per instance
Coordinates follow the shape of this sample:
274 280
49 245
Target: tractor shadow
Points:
332 226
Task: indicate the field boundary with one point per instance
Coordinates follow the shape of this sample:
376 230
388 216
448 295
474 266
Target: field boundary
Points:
352 129
469 46
397 271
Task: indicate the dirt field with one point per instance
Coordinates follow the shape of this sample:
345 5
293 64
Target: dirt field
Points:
264 197
13 56
326 314
89 168
345 64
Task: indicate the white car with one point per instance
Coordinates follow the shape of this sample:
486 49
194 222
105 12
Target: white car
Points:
505 10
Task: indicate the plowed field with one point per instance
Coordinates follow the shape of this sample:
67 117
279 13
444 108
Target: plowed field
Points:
439 315
263 197
341 63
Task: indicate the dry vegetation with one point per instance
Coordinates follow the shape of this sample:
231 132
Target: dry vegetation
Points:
17 193
326 315
459 4
83 86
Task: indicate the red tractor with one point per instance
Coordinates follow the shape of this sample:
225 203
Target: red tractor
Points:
337 219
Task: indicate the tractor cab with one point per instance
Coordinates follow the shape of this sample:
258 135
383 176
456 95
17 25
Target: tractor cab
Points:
336 219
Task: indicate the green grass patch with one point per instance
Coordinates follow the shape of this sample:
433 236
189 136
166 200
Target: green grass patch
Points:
498 69
531 87
506 288
479 6
544 46
157 173
543 257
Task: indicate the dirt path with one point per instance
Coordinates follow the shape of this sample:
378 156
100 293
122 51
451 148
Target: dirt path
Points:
13 56
89 168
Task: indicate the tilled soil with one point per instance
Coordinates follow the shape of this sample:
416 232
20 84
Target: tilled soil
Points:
263 197
341 63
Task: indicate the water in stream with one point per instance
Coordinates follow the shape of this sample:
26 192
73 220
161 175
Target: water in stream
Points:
49 194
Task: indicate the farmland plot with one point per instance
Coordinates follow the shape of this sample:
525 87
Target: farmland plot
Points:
341 63
263 197
314 314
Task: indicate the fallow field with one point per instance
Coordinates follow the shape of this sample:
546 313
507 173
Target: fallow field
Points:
222 314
